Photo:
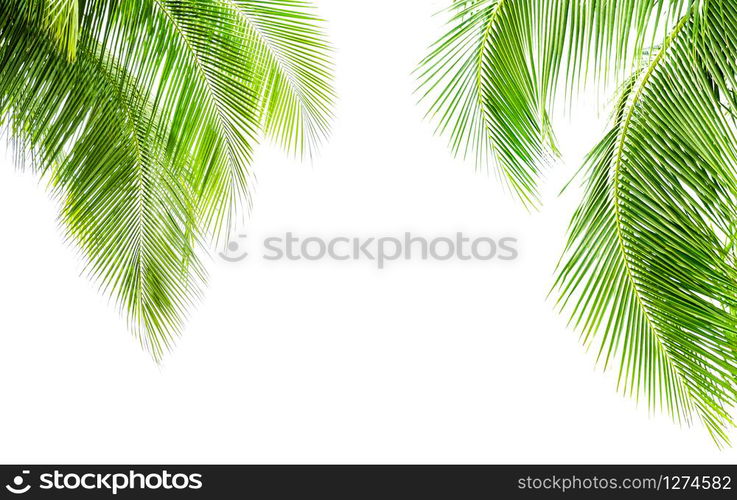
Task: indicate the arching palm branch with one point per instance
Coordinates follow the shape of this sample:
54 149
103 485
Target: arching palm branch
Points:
143 115
649 272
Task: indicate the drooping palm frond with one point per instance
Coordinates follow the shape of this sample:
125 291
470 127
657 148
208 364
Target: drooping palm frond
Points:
491 80
145 122
124 203
648 275
603 274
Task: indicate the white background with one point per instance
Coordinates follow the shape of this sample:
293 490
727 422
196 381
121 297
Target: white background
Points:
331 362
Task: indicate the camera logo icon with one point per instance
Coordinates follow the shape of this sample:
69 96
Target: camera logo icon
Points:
17 487
235 252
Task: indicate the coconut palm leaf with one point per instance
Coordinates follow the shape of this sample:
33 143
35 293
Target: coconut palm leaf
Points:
491 80
143 116
648 275
649 271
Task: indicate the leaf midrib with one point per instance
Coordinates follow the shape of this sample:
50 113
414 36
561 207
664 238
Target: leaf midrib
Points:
480 63
617 199
141 213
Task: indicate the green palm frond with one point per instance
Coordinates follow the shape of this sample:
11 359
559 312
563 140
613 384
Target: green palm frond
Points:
649 273
143 115
650 269
492 79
